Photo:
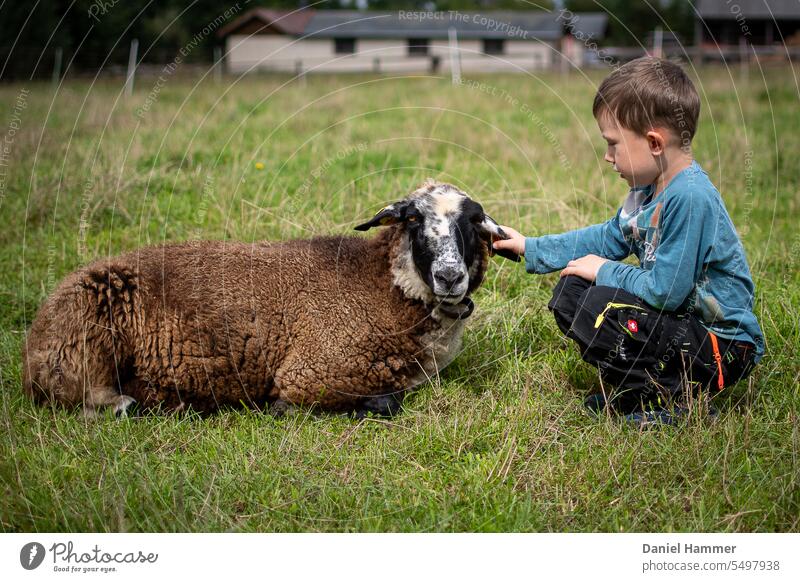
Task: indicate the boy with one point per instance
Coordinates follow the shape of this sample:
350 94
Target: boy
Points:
682 321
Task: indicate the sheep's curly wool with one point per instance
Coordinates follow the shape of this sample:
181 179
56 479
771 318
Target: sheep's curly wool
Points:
211 324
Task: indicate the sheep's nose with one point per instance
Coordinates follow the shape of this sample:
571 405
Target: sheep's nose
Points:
448 277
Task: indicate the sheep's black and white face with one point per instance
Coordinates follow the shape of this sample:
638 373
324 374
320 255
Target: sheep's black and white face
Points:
448 234
442 228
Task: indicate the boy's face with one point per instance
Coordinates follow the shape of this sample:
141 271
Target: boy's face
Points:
635 157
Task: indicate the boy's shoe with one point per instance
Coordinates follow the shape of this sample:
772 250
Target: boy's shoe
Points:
595 403
654 418
664 417
598 404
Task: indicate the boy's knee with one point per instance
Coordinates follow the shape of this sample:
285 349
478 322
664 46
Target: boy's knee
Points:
577 304
575 297
598 299
564 303
567 293
604 315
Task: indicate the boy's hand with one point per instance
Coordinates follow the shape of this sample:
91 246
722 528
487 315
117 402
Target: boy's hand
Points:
515 243
585 267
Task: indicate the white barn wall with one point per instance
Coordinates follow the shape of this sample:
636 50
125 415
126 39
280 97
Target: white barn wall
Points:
284 53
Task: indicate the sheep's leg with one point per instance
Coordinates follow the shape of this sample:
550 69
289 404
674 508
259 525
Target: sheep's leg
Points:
83 375
325 381
384 405
306 380
280 408
106 397
122 405
75 352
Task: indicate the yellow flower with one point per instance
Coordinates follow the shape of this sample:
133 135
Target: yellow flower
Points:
259 166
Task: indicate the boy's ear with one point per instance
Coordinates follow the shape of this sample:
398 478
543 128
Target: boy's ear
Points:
657 140
490 232
391 214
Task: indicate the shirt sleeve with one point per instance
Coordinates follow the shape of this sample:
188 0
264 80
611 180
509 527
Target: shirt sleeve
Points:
678 256
545 254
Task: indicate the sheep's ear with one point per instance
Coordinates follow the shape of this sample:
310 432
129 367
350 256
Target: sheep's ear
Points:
492 232
391 214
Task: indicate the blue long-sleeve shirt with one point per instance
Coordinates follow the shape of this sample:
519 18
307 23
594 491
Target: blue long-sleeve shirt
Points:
690 256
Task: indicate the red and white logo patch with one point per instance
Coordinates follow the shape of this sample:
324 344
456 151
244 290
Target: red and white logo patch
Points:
633 327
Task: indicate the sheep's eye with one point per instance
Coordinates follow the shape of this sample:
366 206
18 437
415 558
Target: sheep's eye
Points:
477 218
412 218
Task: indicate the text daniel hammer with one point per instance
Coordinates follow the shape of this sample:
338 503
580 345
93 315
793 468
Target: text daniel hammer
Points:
687 549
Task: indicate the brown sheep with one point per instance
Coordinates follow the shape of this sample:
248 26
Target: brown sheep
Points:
344 323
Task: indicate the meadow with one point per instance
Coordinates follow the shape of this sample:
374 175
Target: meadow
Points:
499 441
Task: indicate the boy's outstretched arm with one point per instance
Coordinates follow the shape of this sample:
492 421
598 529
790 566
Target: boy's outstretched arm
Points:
545 254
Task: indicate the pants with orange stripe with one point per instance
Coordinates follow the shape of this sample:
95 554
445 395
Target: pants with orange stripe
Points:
649 357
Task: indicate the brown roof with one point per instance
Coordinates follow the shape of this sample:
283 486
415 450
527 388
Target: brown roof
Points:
280 21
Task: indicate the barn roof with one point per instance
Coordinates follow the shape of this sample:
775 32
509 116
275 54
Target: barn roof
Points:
291 22
521 25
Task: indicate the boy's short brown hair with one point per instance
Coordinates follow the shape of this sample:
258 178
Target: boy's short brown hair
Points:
650 92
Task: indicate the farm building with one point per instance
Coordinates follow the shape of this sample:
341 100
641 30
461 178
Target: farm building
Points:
357 41
727 22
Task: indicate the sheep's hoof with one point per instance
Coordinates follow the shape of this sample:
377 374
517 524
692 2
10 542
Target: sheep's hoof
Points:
123 406
281 408
90 413
386 405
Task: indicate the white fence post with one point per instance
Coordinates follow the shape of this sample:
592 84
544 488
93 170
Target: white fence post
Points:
744 59
131 67
455 56
658 42
300 72
217 64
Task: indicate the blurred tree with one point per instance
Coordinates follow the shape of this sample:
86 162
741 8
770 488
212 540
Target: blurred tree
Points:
680 15
629 21
29 36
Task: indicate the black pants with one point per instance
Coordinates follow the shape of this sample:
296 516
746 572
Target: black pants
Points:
648 357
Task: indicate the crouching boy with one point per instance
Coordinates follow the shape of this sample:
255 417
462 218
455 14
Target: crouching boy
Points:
681 322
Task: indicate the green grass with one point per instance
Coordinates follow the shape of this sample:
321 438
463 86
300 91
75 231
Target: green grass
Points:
499 442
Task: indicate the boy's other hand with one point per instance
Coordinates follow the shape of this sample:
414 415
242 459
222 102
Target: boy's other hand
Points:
585 267
515 243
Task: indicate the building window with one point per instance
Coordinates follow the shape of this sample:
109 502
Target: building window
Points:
494 46
418 46
344 46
